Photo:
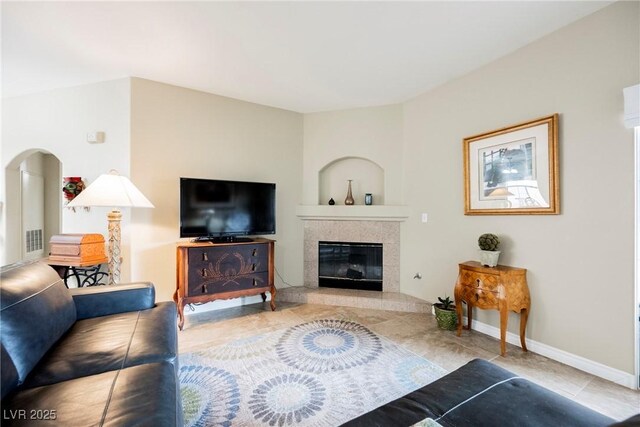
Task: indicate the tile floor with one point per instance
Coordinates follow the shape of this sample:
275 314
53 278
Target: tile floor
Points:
417 332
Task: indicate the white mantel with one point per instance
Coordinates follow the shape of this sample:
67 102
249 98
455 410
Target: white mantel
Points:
354 212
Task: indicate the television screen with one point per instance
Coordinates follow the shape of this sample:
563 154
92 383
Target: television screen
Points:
215 208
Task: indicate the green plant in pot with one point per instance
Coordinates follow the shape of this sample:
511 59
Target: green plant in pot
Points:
489 252
446 315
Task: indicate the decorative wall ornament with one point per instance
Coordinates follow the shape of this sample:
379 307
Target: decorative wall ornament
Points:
71 187
514 170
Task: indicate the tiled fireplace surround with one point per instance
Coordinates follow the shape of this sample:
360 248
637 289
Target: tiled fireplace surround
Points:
385 232
361 231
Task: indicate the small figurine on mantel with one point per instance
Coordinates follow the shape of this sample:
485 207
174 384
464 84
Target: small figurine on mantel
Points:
332 202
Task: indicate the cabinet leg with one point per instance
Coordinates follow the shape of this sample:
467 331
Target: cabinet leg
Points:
273 298
469 315
180 314
524 315
504 316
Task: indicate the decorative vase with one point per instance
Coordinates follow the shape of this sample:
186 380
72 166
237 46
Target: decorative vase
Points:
332 202
447 319
489 258
349 200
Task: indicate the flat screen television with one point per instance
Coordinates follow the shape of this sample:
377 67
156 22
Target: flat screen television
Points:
221 210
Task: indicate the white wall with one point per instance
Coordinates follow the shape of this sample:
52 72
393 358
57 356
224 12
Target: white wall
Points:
57 122
178 132
580 263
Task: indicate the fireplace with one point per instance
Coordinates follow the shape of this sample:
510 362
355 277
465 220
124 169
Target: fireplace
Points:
350 265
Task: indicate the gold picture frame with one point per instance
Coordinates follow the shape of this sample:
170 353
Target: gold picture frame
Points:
513 170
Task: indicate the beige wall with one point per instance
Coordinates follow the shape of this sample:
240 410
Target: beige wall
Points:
576 260
581 262
180 132
57 122
370 133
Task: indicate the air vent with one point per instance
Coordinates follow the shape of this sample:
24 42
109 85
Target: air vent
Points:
33 240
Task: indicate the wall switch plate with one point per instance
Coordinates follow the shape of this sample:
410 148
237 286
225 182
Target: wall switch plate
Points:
425 217
95 137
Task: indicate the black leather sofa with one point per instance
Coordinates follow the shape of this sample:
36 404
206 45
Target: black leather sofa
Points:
482 394
102 356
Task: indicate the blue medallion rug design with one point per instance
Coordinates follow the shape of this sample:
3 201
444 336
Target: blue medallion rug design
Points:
320 373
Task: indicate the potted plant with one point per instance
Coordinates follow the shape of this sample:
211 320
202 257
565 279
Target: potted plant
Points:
446 315
489 252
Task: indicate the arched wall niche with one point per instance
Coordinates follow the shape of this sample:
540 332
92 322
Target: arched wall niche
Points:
367 177
36 162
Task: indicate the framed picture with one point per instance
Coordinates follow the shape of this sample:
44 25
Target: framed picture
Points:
513 171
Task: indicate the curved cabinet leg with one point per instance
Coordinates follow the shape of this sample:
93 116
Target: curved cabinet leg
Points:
524 315
180 314
504 316
273 298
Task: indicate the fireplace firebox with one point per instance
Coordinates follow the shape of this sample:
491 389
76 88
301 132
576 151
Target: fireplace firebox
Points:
348 265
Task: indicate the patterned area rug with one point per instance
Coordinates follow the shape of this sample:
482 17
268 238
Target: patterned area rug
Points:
320 373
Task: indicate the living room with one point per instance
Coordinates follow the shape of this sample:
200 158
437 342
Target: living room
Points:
158 128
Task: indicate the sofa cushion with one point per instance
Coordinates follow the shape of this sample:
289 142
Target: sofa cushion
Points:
36 309
139 395
7 372
98 301
109 343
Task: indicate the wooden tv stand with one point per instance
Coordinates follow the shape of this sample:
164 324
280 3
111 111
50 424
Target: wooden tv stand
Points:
209 271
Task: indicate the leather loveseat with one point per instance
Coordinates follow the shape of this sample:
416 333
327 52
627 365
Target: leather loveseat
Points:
481 394
101 356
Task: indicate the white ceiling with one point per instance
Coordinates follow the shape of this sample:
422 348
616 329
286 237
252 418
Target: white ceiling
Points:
301 56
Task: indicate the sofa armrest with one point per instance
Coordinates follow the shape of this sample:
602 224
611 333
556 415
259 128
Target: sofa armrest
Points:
98 301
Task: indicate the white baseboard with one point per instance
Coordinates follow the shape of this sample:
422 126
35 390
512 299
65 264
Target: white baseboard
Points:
594 368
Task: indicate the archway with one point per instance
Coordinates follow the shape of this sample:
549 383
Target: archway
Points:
32 205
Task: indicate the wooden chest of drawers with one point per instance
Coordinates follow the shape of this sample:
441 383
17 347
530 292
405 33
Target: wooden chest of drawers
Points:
502 288
210 271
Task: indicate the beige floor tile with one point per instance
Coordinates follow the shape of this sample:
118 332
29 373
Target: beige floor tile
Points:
611 399
369 317
544 371
445 353
398 330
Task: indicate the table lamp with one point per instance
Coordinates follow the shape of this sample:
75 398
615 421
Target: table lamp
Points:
116 191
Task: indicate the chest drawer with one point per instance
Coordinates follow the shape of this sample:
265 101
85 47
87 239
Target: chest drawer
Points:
487 282
210 286
220 261
479 297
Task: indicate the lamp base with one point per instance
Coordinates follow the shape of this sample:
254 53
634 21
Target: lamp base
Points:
114 217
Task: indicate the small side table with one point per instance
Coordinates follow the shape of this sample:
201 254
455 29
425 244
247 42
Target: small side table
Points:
501 287
87 273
